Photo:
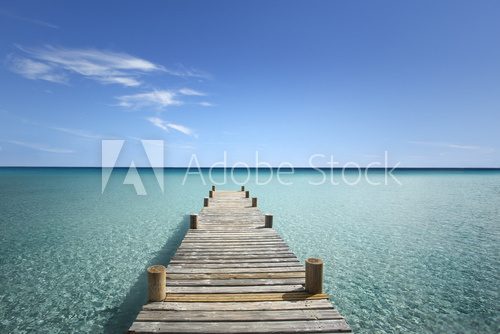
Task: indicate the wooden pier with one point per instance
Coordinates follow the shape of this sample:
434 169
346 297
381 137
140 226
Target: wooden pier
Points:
233 273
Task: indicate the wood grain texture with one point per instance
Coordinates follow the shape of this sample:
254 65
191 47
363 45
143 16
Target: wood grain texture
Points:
245 297
245 315
241 306
308 326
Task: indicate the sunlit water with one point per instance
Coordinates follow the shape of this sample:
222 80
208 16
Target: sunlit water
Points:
421 257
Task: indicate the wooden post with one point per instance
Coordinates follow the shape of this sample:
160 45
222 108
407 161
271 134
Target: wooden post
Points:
269 221
242 188
193 222
247 194
314 275
211 194
254 202
205 202
157 283
213 188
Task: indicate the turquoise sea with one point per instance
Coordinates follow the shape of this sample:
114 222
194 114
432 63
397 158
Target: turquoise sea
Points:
420 257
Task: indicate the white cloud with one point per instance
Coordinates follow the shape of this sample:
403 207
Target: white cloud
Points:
104 66
125 81
107 67
157 98
206 104
158 122
41 147
181 128
30 20
454 146
464 147
78 133
182 71
190 92
166 126
36 70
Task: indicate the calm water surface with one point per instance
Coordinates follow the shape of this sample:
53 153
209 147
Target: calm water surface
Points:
421 257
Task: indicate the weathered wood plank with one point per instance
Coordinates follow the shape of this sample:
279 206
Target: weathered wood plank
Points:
233 251
231 228
232 260
211 240
280 244
179 270
227 242
239 265
235 235
207 256
235 289
209 237
233 276
233 255
247 315
313 326
231 297
240 306
220 247
235 282
264 233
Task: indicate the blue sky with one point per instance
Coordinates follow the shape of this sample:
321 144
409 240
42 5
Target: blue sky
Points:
352 79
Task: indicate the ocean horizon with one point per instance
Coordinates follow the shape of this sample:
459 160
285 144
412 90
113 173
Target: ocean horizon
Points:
420 256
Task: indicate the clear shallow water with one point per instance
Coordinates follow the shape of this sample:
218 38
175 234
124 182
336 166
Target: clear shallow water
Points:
421 257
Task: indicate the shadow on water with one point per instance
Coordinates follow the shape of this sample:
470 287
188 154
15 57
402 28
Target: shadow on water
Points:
122 319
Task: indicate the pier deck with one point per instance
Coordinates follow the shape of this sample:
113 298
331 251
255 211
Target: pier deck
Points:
233 275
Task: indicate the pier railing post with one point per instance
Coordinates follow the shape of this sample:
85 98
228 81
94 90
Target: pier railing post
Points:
193 222
314 275
157 283
213 188
242 188
269 221
211 194
254 202
205 202
247 194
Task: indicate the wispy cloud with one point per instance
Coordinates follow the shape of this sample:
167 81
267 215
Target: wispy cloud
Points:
40 147
190 92
158 99
182 71
27 19
78 133
451 145
106 67
56 64
166 126
206 104
36 70
181 128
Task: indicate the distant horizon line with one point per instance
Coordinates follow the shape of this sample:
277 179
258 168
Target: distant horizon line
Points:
272 167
